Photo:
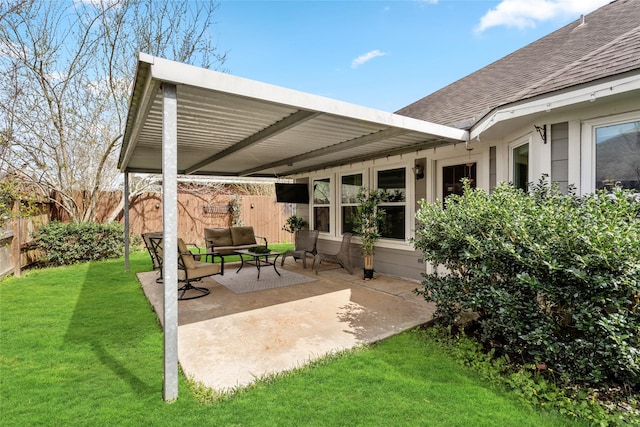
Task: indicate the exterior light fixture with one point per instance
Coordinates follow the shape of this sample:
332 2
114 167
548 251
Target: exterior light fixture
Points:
419 171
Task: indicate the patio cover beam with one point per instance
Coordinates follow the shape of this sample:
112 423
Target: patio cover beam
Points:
151 87
276 128
378 155
363 140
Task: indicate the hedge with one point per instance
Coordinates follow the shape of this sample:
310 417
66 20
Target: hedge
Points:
69 243
555 279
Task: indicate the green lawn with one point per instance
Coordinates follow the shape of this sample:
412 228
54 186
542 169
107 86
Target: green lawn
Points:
81 346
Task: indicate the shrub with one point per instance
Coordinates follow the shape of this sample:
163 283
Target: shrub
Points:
554 278
294 223
536 387
69 243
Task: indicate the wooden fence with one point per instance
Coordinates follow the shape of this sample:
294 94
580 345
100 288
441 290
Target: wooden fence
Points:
15 242
195 213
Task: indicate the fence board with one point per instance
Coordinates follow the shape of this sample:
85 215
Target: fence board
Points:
16 238
196 212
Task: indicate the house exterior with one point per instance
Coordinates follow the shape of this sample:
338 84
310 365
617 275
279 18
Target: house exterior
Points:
566 106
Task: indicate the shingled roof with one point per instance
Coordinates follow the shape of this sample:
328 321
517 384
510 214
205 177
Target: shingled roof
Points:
604 43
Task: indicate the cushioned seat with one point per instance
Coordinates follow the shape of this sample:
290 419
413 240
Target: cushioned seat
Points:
189 270
225 241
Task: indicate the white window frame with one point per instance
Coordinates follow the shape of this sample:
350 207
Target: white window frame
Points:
408 199
516 144
339 204
588 146
478 159
331 205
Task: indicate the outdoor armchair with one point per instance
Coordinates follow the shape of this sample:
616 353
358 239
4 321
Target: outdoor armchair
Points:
342 257
146 238
305 245
158 234
189 270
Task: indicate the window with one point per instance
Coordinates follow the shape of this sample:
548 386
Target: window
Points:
519 163
617 152
394 182
560 156
322 204
349 187
520 166
453 175
610 153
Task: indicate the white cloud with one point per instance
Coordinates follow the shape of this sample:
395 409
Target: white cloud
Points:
366 57
527 13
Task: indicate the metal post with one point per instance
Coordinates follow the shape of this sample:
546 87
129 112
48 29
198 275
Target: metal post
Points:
170 238
17 270
126 221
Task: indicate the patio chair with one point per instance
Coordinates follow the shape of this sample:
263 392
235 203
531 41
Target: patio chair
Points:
158 234
305 245
146 238
189 270
342 257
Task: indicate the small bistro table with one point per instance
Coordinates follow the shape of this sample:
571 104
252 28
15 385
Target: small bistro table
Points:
258 259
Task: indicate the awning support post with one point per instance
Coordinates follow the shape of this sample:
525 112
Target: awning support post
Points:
127 243
170 238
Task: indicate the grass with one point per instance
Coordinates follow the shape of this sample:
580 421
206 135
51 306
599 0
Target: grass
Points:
81 345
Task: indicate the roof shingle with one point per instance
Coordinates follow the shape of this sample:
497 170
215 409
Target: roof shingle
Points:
606 44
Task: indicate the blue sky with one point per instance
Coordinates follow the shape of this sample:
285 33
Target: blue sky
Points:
380 54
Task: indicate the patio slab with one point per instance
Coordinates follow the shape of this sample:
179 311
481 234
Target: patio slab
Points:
228 340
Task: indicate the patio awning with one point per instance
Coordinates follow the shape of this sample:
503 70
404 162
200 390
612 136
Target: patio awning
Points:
192 121
231 126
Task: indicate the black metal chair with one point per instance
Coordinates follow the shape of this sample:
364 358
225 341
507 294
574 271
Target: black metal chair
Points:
146 238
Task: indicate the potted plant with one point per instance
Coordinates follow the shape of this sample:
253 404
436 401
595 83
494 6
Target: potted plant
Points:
293 224
367 224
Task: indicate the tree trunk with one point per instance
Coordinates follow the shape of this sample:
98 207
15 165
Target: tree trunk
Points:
368 262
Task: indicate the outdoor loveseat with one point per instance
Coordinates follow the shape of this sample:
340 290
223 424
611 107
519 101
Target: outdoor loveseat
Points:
225 241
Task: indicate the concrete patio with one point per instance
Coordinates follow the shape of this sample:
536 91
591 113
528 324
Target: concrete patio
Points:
228 340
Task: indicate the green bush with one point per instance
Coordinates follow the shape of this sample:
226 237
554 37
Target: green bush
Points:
69 243
538 387
554 278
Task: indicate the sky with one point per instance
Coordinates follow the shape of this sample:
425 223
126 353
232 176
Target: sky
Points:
383 54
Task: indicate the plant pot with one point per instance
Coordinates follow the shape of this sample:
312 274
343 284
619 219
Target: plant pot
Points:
368 273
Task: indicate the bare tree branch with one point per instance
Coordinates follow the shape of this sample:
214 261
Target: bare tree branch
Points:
67 69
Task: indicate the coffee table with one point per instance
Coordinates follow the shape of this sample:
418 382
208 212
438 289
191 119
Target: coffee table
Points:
258 259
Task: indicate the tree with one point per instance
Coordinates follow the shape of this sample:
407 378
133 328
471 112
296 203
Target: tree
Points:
368 222
67 68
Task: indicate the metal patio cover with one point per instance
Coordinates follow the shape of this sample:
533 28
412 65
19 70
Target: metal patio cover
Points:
216 124
231 126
